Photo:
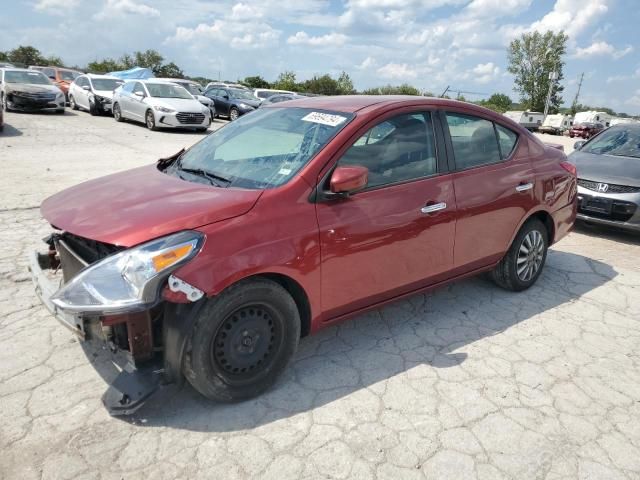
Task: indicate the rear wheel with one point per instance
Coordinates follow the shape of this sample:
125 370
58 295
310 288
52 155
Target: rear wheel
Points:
522 265
117 114
233 114
150 120
242 340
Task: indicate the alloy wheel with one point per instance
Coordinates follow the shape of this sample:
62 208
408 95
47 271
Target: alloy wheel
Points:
151 121
234 114
530 256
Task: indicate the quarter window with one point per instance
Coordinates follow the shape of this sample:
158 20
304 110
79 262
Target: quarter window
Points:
474 141
507 140
396 150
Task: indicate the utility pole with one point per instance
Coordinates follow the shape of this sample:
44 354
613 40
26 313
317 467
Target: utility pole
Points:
553 76
575 100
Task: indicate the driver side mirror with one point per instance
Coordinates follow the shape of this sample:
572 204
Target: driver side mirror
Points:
86 87
139 94
578 145
345 180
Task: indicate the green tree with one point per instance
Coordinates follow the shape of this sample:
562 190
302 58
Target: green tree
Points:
169 70
4 57
26 55
345 84
286 81
104 66
498 102
404 89
532 57
323 85
255 82
148 59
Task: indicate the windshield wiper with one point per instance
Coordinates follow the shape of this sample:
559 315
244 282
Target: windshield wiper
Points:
213 178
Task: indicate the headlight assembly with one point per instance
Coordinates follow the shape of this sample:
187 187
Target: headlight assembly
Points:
163 109
128 280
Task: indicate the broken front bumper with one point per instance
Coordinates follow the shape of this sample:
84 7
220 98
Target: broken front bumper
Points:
131 383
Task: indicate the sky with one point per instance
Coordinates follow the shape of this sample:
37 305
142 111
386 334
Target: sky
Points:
431 44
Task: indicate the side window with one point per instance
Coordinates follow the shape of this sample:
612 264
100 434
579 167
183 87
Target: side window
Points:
49 72
474 141
507 140
396 150
128 87
139 88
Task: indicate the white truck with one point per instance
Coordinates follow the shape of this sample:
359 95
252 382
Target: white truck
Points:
529 120
593 116
556 124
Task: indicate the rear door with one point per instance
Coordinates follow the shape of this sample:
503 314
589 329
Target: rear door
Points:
80 95
494 184
396 235
138 107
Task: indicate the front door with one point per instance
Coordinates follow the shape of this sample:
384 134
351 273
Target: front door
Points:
137 106
396 235
494 183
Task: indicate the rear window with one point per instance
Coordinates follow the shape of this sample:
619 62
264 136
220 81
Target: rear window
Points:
507 140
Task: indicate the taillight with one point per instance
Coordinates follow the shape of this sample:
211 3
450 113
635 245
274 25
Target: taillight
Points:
570 167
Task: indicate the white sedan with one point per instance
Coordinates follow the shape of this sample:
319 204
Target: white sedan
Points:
159 105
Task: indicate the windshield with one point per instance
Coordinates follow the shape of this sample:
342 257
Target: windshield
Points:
106 83
26 77
241 94
263 149
167 90
69 75
192 88
622 142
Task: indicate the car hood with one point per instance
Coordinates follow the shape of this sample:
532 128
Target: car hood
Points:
138 205
32 88
178 104
607 168
253 103
104 93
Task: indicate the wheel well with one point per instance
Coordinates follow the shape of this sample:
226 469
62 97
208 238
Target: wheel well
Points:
546 219
299 296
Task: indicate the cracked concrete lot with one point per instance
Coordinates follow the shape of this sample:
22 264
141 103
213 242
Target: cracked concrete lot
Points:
468 381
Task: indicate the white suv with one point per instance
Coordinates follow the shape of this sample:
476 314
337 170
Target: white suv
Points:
93 93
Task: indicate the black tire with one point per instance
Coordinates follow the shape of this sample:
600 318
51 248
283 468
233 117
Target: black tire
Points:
3 104
222 363
234 114
72 103
201 130
117 114
60 111
150 120
93 109
509 273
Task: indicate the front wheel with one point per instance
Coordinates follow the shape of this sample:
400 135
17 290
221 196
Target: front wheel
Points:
72 103
150 120
522 264
4 104
117 114
242 340
234 114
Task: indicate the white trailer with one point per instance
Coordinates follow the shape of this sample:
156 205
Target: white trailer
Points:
593 116
623 120
529 120
556 124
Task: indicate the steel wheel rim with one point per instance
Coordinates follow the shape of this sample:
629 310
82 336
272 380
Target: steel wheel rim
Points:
530 256
234 115
150 121
247 342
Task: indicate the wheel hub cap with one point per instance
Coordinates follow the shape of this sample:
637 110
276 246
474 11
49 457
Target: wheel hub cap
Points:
530 256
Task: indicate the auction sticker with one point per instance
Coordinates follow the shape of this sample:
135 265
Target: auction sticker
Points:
324 118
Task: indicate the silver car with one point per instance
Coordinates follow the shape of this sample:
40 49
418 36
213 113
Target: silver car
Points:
93 93
609 177
159 105
194 89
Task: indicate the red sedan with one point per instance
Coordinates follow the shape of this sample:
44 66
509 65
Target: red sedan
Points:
585 130
213 263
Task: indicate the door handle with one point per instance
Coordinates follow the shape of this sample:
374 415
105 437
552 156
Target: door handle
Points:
433 208
523 187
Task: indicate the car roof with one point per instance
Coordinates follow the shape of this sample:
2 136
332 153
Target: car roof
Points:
97 75
186 80
16 69
354 103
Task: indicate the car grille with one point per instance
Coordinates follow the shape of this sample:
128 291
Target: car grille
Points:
606 207
88 250
184 117
37 96
588 184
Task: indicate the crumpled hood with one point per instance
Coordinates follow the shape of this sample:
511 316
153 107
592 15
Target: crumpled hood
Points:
105 93
607 168
138 205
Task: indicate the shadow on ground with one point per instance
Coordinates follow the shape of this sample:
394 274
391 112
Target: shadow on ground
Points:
610 233
431 329
9 131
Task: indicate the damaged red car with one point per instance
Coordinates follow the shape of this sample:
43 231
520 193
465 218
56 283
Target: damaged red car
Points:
211 265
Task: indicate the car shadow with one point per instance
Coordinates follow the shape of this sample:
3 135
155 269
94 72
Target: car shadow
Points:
67 112
610 233
9 131
428 331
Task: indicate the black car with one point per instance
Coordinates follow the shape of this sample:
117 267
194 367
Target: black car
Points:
284 97
232 102
29 90
609 177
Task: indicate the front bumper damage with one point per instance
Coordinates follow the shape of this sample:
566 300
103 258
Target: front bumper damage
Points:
34 102
135 353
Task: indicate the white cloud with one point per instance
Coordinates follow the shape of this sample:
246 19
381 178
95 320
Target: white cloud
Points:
367 63
397 71
115 8
237 34
330 39
56 7
572 16
485 72
602 48
634 101
493 8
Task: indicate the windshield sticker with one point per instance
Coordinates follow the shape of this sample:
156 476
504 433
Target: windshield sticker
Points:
284 171
324 119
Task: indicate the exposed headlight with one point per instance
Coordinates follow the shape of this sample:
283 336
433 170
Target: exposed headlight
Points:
128 280
163 109
244 105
